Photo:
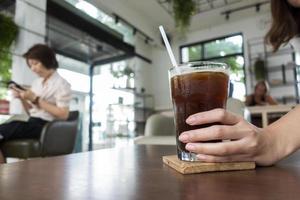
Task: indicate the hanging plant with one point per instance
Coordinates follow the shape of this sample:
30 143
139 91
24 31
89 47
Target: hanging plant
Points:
260 69
183 11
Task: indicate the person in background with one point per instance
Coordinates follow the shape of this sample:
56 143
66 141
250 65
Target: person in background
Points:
261 96
46 100
246 142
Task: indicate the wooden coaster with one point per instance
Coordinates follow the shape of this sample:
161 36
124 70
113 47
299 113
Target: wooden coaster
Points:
200 167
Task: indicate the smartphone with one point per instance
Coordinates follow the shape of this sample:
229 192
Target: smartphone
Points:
13 83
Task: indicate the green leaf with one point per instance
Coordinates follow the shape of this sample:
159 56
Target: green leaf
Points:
8 34
5 66
260 69
183 11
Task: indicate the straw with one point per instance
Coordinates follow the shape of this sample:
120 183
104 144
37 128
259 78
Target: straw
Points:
168 46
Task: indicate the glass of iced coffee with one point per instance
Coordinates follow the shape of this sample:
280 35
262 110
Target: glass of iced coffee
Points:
196 87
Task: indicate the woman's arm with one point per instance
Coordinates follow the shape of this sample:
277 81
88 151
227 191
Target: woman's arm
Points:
58 112
17 93
249 100
270 100
26 105
247 142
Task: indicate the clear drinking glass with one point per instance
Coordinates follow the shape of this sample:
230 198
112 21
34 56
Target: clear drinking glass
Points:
196 87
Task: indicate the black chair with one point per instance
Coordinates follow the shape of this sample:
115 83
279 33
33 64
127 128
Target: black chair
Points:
57 138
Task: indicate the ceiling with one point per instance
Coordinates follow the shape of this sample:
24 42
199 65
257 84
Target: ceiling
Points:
73 34
69 40
76 44
201 5
156 12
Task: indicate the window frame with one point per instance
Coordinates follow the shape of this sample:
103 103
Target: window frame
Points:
202 44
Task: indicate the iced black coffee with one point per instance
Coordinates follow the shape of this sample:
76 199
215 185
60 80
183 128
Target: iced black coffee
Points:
196 87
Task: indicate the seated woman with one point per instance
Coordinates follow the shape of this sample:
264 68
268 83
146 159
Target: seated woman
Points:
46 100
261 95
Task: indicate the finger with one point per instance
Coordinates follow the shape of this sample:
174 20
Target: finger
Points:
220 159
212 116
22 96
11 86
218 148
16 89
216 132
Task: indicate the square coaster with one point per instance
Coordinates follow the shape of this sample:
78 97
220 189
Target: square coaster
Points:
185 167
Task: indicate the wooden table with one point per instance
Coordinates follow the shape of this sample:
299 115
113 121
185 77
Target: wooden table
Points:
137 173
264 111
156 140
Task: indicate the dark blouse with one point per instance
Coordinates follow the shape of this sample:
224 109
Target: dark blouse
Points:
252 101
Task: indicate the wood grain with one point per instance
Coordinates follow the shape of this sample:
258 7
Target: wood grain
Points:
138 173
200 167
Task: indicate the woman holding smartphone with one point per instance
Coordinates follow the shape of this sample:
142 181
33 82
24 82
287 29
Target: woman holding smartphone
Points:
247 142
46 100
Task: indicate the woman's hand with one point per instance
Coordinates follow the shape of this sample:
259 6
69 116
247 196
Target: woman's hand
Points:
243 141
15 92
27 95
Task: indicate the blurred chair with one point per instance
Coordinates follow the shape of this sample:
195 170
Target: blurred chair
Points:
160 128
57 138
238 107
160 125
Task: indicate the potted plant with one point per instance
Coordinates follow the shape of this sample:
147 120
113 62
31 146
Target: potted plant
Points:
129 73
8 34
183 11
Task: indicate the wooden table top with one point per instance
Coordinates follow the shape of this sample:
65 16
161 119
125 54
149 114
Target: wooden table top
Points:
271 108
137 172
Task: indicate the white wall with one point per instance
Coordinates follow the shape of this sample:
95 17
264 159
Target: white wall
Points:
32 30
160 84
252 27
143 78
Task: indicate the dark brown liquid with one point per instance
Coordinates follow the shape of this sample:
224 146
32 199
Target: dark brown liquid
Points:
196 92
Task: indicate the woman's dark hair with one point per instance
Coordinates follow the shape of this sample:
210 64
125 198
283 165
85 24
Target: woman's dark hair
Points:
264 83
42 53
285 23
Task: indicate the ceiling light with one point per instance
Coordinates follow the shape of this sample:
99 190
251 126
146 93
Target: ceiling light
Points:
222 53
88 8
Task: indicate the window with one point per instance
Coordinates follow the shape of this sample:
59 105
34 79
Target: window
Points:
228 49
223 47
192 53
113 113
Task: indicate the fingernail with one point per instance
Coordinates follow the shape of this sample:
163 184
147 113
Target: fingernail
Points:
190 120
190 147
183 138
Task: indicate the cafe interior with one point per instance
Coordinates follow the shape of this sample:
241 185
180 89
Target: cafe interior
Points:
114 56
